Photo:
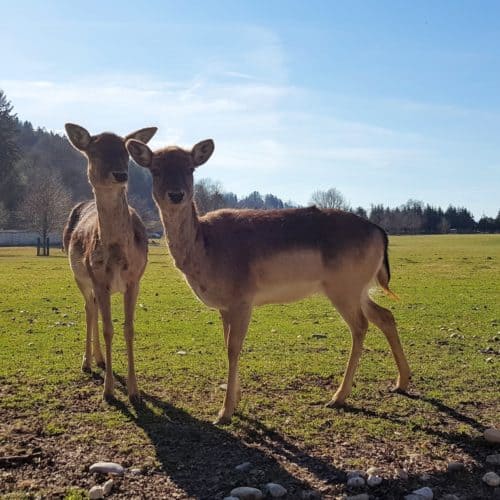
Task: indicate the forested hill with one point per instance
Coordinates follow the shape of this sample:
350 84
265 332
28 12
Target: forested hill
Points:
42 175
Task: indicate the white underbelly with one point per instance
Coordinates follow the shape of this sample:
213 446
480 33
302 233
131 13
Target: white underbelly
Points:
287 276
286 292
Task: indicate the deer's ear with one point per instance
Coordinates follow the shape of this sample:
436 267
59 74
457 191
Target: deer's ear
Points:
78 136
144 134
141 153
202 151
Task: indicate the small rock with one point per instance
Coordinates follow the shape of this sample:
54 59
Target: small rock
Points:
96 492
273 330
247 493
355 473
373 480
275 490
402 474
361 496
135 471
106 468
456 467
223 387
372 471
493 459
492 435
424 493
310 495
491 479
108 486
181 353
355 482
244 467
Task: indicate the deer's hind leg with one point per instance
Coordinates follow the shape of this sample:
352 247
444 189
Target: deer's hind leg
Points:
383 319
349 307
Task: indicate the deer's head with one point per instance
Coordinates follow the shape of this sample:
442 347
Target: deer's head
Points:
106 154
172 169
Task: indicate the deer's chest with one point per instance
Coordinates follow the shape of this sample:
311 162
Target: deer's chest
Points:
112 267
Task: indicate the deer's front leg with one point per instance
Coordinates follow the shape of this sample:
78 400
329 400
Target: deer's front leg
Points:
237 318
104 301
130 300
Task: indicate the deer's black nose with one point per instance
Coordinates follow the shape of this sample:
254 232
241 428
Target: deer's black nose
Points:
176 197
120 176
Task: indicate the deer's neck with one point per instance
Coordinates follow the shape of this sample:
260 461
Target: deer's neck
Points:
115 224
182 231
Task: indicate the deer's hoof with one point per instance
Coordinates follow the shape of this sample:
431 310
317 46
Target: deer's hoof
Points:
222 420
86 367
334 403
108 397
135 399
398 390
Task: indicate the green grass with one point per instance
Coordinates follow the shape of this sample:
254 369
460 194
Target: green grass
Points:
448 313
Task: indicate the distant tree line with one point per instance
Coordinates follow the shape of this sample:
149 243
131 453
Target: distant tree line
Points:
42 176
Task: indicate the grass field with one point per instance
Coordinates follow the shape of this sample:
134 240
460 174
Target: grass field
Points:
449 321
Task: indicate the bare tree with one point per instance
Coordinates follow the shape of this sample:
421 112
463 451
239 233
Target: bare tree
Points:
45 205
148 214
332 198
209 195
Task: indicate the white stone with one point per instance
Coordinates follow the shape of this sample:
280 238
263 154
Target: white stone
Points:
108 486
96 492
244 467
135 471
491 479
223 387
372 471
106 468
275 490
492 435
247 493
425 493
181 353
373 480
355 482
493 459
361 496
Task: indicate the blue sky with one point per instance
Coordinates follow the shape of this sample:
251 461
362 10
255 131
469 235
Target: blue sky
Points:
385 101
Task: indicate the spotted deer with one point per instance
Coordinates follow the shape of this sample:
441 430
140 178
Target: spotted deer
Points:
107 246
235 260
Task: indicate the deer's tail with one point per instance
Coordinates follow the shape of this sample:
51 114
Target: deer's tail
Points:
384 273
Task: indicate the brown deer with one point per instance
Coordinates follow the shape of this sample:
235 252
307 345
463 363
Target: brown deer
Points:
237 259
107 246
